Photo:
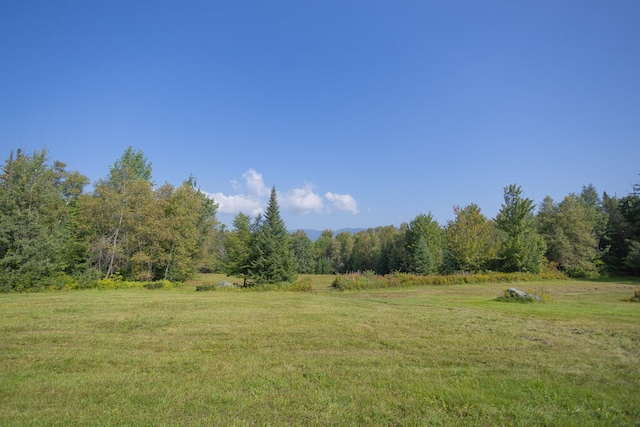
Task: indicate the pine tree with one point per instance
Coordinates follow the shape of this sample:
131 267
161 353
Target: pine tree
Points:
523 248
37 221
272 259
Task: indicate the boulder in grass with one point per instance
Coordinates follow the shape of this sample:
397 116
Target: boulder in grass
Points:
516 293
225 284
513 294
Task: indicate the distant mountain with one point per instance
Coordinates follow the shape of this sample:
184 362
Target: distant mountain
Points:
315 234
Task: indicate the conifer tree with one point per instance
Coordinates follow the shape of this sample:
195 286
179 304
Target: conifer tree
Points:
37 221
523 248
272 260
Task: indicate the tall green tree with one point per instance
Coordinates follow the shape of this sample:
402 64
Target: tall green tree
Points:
425 245
522 248
614 243
322 252
366 254
302 247
568 230
37 221
112 216
470 239
190 220
346 241
238 244
272 260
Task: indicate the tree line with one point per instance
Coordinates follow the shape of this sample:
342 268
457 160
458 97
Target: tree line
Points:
53 232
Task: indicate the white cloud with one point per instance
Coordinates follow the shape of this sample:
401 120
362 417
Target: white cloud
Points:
343 202
238 203
254 195
255 184
302 201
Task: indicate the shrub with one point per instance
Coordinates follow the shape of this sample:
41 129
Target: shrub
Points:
302 285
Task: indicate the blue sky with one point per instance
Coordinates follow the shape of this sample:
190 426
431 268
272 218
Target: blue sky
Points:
360 113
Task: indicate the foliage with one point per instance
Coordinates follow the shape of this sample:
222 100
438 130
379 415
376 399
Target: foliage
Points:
238 247
303 284
366 254
302 248
145 233
37 221
271 258
425 245
361 281
128 229
117 282
470 239
569 235
632 260
522 248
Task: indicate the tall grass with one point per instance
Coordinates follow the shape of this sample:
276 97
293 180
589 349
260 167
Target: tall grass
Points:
369 280
446 355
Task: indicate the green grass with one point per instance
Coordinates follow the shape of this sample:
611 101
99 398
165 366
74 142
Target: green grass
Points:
445 355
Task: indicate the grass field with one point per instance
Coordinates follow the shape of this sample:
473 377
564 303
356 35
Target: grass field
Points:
447 355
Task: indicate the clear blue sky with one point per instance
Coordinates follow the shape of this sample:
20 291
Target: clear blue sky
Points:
361 113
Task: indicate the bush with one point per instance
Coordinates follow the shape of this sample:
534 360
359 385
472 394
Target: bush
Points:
302 285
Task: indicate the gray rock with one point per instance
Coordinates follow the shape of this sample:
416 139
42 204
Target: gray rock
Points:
517 293
226 284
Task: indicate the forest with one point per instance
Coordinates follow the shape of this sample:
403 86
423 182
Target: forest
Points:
54 234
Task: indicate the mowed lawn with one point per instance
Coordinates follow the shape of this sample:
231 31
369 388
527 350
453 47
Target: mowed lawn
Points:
447 355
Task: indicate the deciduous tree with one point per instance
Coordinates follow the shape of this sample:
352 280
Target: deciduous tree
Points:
470 239
569 235
425 245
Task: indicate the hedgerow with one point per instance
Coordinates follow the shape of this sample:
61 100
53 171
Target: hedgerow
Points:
368 280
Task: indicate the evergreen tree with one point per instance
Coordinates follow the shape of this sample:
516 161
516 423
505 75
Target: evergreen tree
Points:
272 260
522 248
37 221
614 243
425 245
